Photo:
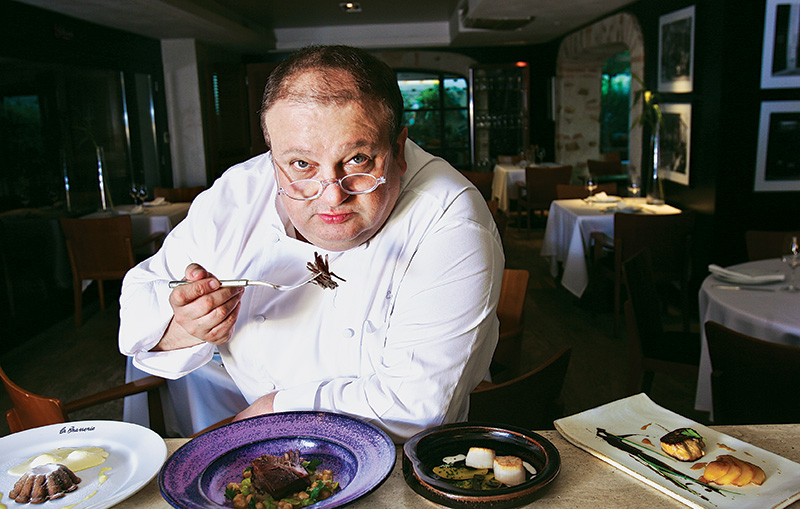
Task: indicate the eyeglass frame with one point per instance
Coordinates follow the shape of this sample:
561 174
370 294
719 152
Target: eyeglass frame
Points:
325 183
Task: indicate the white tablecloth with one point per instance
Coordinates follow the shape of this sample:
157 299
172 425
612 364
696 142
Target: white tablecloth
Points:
191 403
566 238
504 182
771 316
149 220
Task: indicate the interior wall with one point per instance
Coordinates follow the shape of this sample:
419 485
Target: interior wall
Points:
578 77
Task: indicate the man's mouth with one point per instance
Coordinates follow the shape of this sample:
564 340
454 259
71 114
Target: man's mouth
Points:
334 217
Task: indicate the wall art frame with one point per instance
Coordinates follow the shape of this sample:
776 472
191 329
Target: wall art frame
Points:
676 51
777 157
780 60
676 141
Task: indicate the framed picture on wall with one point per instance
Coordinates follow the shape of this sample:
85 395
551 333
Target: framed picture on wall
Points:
780 62
676 51
777 159
676 136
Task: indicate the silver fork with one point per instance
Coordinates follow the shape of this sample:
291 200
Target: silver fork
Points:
251 282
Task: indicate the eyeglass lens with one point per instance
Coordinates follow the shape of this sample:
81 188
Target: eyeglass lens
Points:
356 183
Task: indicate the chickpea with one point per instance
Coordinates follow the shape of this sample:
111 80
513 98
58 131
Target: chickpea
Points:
234 486
239 501
260 505
324 493
247 474
302 495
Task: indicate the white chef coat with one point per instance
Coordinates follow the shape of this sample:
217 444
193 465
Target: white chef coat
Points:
401 343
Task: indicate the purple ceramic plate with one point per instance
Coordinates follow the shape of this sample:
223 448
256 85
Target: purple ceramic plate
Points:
360 455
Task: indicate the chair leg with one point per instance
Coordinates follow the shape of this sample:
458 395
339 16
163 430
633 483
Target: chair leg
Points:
78 295
102 294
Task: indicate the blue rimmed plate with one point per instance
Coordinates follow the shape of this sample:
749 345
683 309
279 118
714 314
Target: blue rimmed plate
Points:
360 455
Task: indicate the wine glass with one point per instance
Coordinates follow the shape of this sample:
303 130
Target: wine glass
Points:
138 192
540 154
591 184
793 261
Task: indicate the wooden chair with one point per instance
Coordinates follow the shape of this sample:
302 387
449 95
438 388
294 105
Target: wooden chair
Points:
31 410
178 194
571 191
651 349
482 180
539 189
762 245
510 312
604 168
100 249
668 236
529 401
753 381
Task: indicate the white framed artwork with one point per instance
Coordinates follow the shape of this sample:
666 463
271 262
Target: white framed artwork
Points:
676 138
676 51
780 61
777 158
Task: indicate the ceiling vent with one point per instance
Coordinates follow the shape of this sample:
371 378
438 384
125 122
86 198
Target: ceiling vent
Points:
484 23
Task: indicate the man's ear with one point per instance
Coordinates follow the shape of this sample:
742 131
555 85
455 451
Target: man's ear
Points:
400 150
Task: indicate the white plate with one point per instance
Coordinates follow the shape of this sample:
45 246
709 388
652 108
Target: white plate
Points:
639 417
601 199
746 278
135 456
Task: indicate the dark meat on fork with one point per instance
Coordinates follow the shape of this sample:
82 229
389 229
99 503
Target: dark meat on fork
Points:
279 475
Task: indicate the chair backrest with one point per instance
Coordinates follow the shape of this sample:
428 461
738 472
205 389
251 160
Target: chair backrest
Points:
753 381
178 194
642 310
667 236
482 180
99 248
529 401
598 168
762 245
30 410
510 313
541 183
571 191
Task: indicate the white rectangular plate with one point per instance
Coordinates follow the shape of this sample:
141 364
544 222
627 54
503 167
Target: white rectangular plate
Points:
642 421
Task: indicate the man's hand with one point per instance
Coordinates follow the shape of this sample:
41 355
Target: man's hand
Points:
202 311
261 406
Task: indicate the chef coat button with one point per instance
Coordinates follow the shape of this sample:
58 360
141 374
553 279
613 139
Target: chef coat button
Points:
388 295
276 238
260 318
268 387
348 333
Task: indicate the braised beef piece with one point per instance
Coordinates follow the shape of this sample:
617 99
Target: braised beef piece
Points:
279 475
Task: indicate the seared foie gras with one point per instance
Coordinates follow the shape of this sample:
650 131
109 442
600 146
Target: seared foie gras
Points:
279 475
683 444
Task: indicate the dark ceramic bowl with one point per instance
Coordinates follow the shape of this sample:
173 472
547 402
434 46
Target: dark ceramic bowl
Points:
425 450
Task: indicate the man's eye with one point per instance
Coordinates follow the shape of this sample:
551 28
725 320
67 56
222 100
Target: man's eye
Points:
300 165
359 159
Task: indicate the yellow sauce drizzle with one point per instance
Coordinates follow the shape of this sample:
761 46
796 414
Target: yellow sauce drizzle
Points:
90 495
2 505
103 477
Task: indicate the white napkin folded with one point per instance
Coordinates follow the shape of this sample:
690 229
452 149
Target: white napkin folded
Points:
602 197
738 277
158 201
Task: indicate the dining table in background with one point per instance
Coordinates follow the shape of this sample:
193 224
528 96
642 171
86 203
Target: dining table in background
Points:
768 315
584 481
570 224
148 219
505 180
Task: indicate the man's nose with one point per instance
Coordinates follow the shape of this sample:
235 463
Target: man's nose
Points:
332 192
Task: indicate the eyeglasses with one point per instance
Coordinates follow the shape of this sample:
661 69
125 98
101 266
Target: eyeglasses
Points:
311 189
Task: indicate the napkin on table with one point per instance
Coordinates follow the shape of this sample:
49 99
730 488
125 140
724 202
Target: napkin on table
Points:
732 275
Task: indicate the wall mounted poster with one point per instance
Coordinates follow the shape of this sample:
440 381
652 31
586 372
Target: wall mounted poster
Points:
778 160
676 136
676 51
780 62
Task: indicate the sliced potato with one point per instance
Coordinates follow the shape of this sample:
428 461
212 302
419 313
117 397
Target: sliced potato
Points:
733 473
715 470
758 475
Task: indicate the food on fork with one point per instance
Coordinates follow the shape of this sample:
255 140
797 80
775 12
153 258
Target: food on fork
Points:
44 482
324 277
727 469
684 444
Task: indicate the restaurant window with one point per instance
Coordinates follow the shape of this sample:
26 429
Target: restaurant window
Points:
615 99
437 114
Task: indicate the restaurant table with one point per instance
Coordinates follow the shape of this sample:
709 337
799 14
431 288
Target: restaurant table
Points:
504 182
584 481
147 220
771 316
191 403
570 224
